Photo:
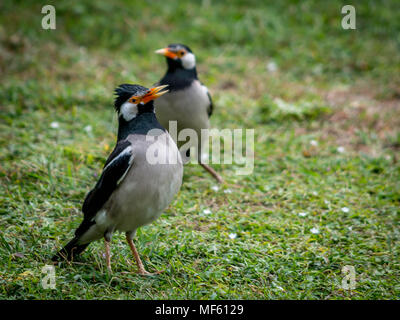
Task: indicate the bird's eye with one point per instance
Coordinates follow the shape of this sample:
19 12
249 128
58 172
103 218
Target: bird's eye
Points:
132 100
181 53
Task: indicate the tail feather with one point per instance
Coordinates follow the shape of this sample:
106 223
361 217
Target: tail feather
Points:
70 251
73 248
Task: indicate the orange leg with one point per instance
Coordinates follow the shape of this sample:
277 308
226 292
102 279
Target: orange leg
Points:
139 263
108 257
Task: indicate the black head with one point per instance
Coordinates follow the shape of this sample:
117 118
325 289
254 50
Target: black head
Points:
178 46
133 99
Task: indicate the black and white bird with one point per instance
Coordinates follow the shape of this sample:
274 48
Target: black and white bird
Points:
188 101
139 179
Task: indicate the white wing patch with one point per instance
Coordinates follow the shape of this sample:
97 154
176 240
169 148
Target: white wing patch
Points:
204 88
123 176
123 153
127 150
100 217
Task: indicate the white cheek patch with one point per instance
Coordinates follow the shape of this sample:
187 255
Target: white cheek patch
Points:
129 111
188 61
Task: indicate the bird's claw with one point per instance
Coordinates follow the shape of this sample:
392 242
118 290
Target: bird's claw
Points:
146 273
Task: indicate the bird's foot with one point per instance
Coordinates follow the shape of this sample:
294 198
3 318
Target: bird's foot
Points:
144 272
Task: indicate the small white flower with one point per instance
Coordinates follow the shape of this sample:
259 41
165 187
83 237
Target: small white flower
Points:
215 188
54 125
227 191
272 66
232 235
350 228
314 143
277 286
326 202
315 193
88 128
302 214
345 209
341 149
206 211
314 231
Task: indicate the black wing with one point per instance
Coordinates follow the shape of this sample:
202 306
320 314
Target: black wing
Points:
211 106
117 165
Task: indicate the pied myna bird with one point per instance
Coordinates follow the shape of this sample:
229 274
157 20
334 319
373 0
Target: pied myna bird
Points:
188 101
139 179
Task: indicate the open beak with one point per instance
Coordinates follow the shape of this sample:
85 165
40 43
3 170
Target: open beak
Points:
154 93
167 52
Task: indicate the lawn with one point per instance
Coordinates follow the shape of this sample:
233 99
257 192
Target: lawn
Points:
325 106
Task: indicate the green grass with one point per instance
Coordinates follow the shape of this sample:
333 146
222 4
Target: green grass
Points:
337 87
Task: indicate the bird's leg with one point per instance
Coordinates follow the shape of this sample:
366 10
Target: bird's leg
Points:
212 172
139 263
108 259
206 166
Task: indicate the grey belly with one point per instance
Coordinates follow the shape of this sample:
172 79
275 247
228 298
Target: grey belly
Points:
144 194
189 109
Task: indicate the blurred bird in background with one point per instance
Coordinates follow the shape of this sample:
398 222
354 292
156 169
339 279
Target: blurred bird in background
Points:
188 101
132 190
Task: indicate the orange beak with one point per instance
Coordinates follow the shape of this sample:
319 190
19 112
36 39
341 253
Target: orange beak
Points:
167 52
154 93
